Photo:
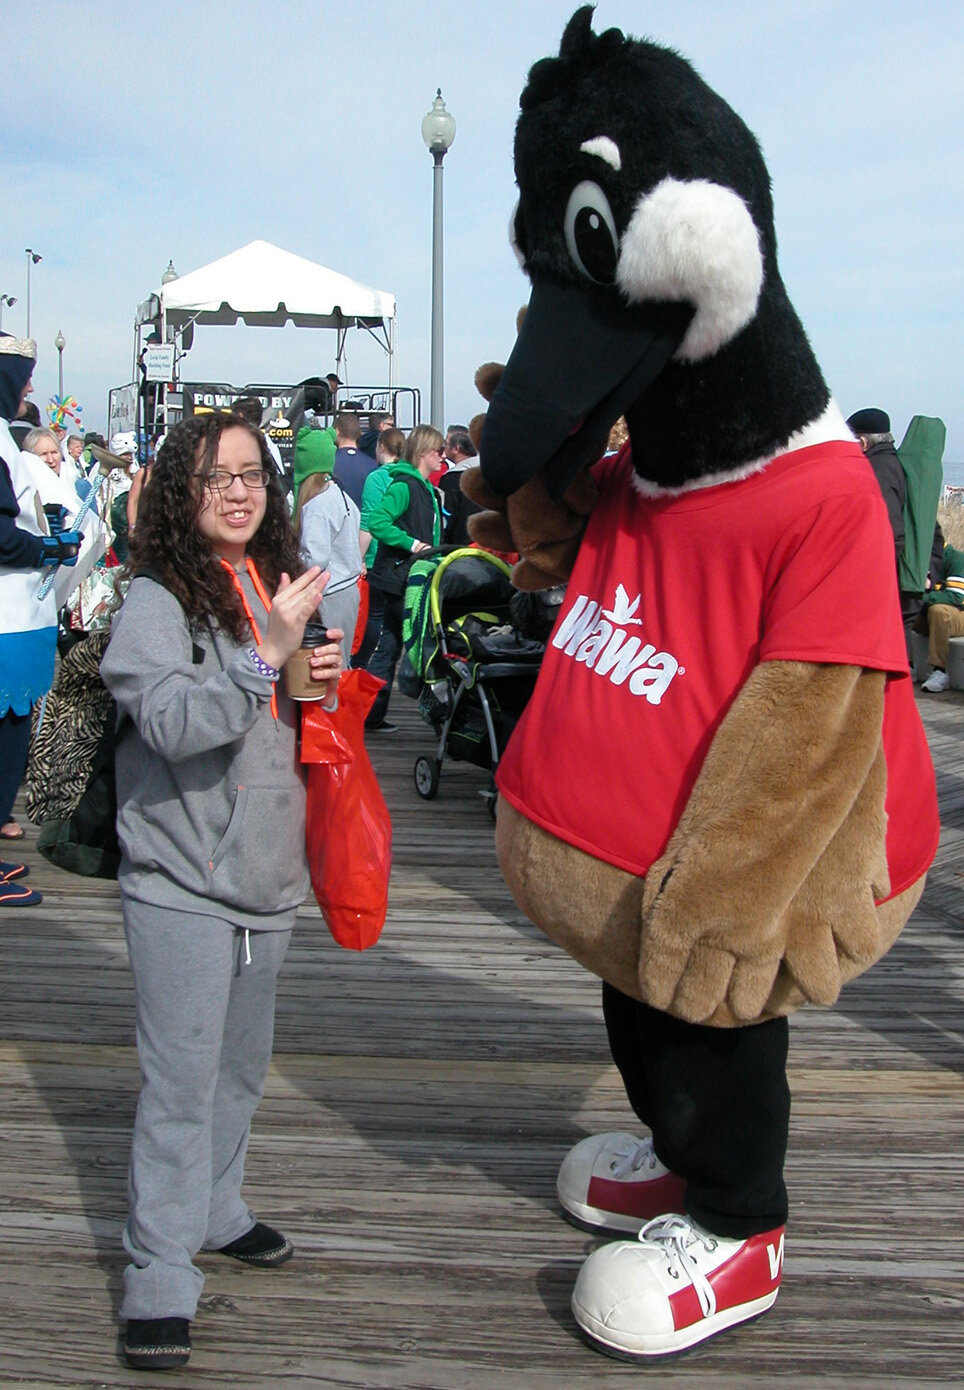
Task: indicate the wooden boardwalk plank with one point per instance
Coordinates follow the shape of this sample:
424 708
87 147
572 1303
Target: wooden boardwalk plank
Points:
420 1099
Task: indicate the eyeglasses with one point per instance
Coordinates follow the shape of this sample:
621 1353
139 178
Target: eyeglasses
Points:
220 480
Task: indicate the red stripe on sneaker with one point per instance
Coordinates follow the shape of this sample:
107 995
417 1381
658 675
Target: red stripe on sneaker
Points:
686 1308
752 1273
641 1198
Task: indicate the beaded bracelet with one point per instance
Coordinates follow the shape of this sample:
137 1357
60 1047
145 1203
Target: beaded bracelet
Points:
262 666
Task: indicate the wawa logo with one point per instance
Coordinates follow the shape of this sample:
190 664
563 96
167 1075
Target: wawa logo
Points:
598 637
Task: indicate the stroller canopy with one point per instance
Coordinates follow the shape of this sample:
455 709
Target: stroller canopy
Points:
442 587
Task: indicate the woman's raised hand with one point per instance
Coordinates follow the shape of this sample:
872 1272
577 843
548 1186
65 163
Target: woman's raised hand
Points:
294 603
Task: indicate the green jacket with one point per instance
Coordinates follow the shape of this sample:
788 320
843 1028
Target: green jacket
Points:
408 512
376 485
394 503
950 590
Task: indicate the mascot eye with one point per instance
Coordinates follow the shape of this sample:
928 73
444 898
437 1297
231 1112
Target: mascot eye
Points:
591 233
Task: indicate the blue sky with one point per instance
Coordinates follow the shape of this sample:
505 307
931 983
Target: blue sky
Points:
134 134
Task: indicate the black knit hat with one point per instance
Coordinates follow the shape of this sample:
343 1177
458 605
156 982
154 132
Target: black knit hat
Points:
870 421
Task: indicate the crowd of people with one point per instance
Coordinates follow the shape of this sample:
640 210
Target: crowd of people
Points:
366 501
355 487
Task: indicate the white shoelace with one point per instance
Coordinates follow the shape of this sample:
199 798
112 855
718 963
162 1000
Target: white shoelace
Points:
674 1235
632 1161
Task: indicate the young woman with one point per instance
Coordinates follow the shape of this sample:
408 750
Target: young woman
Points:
211 809
405 521
389 447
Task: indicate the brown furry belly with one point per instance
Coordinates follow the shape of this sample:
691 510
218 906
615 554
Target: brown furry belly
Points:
594 912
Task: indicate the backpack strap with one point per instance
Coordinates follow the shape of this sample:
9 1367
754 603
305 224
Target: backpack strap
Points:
149 572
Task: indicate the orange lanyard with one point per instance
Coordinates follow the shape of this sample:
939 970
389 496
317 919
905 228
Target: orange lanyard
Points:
263 596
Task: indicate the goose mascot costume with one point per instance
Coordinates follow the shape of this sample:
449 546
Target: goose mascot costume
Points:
720 798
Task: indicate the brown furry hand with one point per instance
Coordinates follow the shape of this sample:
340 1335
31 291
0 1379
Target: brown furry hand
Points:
546 534
770 878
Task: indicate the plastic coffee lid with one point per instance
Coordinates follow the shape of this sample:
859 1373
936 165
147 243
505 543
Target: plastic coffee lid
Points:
316 634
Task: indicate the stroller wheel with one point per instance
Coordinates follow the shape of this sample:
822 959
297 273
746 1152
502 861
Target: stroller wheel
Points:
426 777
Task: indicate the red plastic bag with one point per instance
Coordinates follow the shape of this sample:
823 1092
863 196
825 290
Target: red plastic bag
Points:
348 830
361 621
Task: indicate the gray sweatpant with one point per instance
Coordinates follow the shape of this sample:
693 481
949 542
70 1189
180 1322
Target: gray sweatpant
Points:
341 610
205 1023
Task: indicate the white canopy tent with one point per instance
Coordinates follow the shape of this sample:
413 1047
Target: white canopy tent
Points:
267 288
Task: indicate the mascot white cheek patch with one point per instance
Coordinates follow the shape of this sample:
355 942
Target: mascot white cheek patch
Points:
694 242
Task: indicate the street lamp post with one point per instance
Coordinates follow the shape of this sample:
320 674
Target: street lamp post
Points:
33 258
60 342
8 299
438 132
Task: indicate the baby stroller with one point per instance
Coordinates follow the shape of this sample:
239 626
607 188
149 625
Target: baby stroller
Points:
470 669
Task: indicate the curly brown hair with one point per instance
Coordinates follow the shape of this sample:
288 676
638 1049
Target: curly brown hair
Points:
166 539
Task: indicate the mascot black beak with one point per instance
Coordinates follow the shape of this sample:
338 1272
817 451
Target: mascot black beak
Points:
574 370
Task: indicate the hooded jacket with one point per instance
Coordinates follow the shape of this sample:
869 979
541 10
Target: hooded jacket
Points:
211 802
407 512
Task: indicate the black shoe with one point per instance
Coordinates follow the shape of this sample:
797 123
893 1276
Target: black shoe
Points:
383 728
260 1246
157 1344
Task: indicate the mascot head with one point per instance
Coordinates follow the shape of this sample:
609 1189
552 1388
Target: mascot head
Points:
645 224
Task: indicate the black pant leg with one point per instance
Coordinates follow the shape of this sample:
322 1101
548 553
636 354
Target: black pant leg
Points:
384 659
910 606
14 747
619 1011
718 1105
373 627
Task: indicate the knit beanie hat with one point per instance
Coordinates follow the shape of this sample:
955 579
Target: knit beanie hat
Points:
17 359
314 453
870 421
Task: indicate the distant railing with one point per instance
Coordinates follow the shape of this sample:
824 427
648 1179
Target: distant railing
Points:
403 403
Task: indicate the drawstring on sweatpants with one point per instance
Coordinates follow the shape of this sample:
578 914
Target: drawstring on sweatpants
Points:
247 949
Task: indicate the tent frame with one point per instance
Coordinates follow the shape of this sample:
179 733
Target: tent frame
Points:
176 324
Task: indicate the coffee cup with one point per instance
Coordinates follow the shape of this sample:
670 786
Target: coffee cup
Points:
298 678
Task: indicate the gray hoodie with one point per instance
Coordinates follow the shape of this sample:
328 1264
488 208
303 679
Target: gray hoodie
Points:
210 795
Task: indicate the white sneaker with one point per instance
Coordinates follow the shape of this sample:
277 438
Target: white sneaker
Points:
674 1287
615 1182
936 682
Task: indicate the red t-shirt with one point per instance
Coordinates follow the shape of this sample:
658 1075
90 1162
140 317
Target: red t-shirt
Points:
672 603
